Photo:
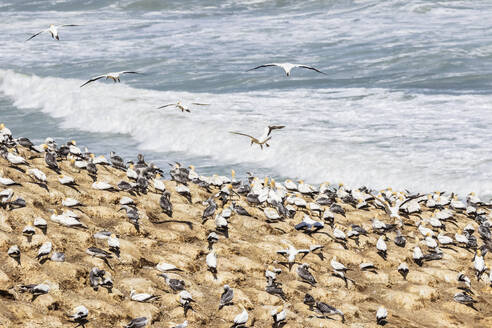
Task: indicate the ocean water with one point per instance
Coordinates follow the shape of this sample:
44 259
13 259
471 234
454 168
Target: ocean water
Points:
406 101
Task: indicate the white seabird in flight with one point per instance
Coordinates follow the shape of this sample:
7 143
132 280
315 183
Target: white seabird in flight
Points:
181 107
115 76
287 67
53 29
263 140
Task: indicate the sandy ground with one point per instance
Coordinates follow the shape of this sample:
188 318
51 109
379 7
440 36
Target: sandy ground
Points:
425 299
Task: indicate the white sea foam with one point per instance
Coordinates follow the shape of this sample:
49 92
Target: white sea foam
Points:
359 136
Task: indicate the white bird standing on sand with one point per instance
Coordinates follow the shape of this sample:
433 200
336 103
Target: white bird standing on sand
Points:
102 185
279 315
211 260
185 298
444 240
53 29
115 76
381 315
14 252
16 159
44 250
143 297
337 266
287 67
263 140
479 264
66 179
40 223
271 213
132 174
181 107
70 202
460 238
158 183
403 270
242 318
28 230
114 243
165 267
66 220
381 246
7 181
417 255
80 313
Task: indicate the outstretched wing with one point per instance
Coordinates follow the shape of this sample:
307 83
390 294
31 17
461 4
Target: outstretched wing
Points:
36 34
311 68
129 72
261 66
200 104
68 25
242 134
93 79
166 106
274 127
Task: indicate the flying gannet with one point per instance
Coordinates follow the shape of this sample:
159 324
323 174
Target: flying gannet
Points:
115 76
263 140
291 253
182 107
53 29
287 67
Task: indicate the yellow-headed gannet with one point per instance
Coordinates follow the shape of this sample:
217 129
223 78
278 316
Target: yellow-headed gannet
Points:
279 315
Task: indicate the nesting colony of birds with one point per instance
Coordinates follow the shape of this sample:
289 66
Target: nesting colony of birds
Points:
90 241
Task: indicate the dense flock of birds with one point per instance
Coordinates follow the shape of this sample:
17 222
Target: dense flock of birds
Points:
277 201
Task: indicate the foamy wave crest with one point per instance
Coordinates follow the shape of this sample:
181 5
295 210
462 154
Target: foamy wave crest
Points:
370 137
